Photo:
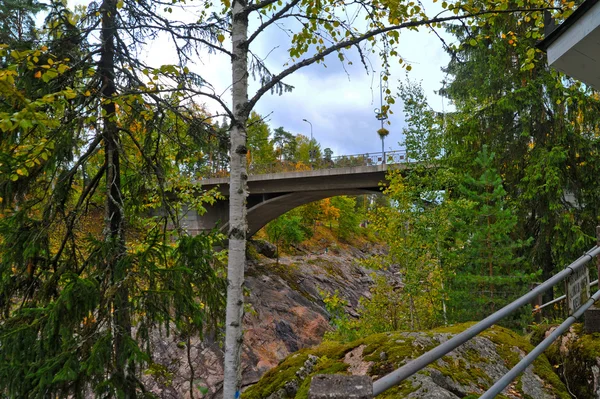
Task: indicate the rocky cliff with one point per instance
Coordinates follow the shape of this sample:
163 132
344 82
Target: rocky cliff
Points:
285 320
284 313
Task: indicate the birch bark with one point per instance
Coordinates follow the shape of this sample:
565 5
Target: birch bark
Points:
237 203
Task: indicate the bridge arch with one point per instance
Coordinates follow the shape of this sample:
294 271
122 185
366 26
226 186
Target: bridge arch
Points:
272 195
264 212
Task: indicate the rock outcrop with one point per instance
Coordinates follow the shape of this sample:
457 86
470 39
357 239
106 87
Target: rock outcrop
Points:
284 313
576 358
285 320
466 372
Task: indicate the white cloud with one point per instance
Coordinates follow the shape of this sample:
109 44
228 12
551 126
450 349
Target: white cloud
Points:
338 104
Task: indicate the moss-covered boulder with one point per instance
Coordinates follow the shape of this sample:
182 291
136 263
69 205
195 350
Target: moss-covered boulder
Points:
466 372
576 357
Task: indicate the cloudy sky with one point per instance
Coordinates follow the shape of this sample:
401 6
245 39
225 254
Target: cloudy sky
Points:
338 101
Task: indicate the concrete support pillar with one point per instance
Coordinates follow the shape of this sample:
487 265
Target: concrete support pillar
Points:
333 386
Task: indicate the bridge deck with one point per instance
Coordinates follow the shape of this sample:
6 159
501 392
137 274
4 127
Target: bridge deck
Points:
365 177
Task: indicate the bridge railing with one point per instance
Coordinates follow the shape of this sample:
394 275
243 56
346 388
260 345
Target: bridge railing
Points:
342 161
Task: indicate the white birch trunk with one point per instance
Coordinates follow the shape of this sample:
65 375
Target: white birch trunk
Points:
238 225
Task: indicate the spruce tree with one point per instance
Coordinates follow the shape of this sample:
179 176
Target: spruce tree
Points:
488 273
539 123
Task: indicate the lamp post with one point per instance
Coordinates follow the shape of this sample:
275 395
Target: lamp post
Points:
381 116
310 150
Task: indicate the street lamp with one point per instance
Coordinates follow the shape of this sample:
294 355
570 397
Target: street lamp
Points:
381 116
310 150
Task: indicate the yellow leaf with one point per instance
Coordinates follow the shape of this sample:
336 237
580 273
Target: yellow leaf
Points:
70 94
220 38
38 74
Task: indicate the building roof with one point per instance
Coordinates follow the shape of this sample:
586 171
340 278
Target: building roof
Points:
562 28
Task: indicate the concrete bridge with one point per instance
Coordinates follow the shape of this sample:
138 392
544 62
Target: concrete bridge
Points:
273 194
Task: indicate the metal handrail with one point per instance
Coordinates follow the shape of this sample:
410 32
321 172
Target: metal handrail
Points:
538 350
399 375
555 300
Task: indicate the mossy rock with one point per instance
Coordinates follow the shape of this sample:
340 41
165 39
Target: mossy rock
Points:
466 372
576 357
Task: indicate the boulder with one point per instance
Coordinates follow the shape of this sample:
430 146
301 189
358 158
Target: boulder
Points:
576 357
465 372
264 248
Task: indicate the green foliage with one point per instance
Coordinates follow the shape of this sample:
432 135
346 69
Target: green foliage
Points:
285 231
540 125
388 309
348 219
261 152
344 329
309 215
488 271
415 229
286 145
424 140
306 147
17 22
94 183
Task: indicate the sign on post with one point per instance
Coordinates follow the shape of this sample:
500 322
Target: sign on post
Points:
578 289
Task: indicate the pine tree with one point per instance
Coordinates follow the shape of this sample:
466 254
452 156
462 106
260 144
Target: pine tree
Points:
17 25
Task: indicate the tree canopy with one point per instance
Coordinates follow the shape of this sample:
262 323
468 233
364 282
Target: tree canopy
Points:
99 153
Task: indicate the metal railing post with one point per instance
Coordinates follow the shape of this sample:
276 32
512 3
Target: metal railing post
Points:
536 304
562 297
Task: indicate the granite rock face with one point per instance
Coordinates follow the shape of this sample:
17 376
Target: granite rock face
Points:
284 323
284 313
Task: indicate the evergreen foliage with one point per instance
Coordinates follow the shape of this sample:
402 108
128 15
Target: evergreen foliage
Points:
17 25
542 127
94 182
489 273
480 231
